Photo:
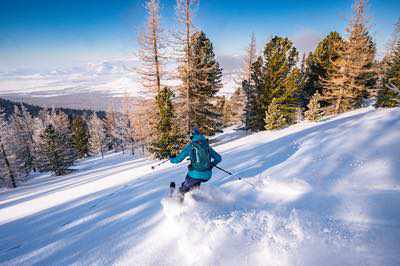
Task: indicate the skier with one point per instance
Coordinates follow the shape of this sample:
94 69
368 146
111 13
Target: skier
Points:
202 159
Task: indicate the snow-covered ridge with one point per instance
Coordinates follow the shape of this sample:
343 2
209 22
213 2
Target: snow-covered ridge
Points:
113 77
313 194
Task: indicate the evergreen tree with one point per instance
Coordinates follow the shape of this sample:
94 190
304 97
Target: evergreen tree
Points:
314 112
353 75
80 138
97 135
250 106
168 139
206 81
275 118
280 83
54 154
319 63
282 111
254 90
389 94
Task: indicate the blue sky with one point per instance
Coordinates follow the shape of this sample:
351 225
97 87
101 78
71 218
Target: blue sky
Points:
45 34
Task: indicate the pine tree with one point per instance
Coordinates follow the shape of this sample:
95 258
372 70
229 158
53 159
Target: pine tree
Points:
97 135
280 83
54 154
80 138
282 111
389 94
314 112
275 118
319 63
168 140
353 75
206 81
254 89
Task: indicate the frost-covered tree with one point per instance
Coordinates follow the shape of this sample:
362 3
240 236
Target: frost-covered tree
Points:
97 135
80 138
22 125
54 152
11 165
61 123
113 138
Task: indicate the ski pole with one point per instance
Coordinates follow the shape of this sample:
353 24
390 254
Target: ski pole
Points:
157 165
239 178
223 170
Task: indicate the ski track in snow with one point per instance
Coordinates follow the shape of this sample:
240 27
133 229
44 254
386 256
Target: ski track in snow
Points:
313 194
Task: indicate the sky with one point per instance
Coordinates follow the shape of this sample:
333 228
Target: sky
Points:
48 34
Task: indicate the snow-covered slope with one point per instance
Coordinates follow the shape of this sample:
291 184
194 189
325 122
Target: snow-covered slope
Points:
313 194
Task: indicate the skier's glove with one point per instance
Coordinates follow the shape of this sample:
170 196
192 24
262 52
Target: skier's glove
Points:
212 165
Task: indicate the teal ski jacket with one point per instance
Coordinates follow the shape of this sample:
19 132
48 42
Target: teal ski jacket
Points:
187 152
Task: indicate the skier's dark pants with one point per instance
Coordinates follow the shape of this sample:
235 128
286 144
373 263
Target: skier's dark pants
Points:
189 184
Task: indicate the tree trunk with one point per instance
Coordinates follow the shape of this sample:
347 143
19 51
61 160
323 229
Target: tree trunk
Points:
156 61
188 55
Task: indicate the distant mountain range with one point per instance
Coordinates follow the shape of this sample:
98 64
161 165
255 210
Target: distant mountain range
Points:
9 107
90 86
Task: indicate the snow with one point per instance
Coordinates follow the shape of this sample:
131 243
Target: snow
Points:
312 194
112 77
